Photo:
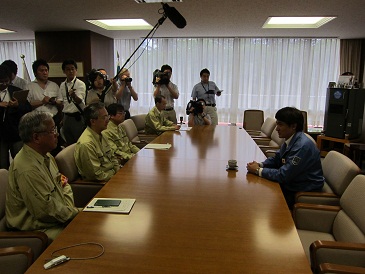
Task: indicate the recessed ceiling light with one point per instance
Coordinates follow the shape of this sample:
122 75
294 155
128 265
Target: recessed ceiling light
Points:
6 31
121 24
296 22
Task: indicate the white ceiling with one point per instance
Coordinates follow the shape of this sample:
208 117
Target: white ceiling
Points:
205 18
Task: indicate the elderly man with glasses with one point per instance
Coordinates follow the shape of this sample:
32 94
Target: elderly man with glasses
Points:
94 158
38 196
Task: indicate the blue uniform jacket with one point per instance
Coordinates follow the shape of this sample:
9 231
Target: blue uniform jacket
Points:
297 167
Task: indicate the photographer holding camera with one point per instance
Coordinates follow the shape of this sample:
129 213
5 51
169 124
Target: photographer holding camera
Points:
101 89
197 116
125 91
207 90
164 87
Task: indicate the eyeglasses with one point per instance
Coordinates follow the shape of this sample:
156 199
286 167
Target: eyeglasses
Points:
105 117
121 112
54 130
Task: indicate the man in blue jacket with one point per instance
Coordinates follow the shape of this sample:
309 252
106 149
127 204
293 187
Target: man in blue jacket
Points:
297 165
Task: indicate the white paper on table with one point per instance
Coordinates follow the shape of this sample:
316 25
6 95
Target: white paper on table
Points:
158 146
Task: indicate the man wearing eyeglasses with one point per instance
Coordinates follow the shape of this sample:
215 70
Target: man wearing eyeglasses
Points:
38 196
94 158
117 138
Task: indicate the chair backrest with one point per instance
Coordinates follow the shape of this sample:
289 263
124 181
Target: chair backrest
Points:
253 119
338 171
305 117
131 130
268 127
4 179
65 160
276 141
139 121
349 224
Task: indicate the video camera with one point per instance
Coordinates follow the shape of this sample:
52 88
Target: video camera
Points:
164 77
197 105
127 79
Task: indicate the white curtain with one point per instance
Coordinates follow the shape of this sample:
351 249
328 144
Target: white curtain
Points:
254 73
13 49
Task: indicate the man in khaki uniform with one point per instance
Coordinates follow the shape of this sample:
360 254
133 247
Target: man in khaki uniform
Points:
94 158
116 136
156 123
38 196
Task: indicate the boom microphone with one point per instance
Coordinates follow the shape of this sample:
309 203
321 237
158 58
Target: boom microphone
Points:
174 16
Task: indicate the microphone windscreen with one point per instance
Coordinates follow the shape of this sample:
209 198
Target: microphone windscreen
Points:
174 16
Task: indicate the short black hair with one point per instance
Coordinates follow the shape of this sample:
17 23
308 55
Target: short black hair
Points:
204 71
69 62
166 67
202 100
114 108
158 98
92 112
291 116
37 63
5 72
11 65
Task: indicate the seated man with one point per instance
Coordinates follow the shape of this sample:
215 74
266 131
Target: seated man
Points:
38 196
116 136
157 123
297 165
197 115
94 158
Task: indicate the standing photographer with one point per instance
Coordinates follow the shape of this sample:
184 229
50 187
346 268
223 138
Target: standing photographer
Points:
126 91
164 87
197 116
207 90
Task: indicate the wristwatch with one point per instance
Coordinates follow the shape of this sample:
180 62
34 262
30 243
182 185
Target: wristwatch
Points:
257 171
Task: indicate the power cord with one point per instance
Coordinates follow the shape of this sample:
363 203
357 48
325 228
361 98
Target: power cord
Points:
80 244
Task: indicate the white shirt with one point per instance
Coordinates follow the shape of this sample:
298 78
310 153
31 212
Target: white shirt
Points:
20 83
36 93
4 95
80 90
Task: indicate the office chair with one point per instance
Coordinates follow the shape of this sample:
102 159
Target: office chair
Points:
253 119
338 171
319 225
266 129
83 191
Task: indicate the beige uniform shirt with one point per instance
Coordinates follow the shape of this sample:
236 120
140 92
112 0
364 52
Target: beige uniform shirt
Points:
94 158
119 141
37 198
156 123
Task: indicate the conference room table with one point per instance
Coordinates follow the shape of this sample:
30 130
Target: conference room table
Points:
191 215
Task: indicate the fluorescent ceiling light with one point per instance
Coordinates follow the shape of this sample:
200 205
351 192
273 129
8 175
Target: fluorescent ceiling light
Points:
6 31
155 1
296 22
121 24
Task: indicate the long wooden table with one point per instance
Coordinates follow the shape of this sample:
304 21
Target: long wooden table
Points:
190 215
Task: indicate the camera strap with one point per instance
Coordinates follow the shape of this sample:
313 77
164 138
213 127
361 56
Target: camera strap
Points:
66 88
204 86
